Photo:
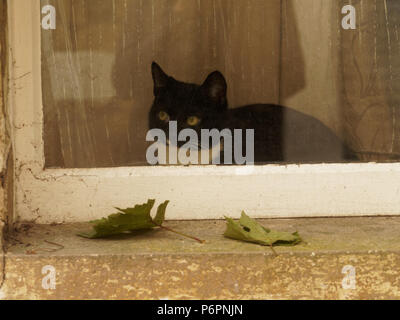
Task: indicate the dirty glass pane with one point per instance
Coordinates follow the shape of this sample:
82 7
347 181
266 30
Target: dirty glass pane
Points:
338 88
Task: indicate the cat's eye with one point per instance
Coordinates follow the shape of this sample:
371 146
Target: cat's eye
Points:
163 116
193 121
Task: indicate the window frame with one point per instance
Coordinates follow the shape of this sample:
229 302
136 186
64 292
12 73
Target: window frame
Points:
196 192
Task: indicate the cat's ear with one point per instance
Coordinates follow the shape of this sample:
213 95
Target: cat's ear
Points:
160 78
215 87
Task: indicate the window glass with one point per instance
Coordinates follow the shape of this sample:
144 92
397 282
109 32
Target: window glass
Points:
294 81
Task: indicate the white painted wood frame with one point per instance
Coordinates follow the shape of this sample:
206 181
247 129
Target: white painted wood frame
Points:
71 195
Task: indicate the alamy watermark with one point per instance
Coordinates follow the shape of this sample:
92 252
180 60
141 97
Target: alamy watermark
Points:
49 18
349 20
49 280
196 150
349 281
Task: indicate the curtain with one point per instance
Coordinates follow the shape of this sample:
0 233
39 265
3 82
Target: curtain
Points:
370 71
97 86
350 77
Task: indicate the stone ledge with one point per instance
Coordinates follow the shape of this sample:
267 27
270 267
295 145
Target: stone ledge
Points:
162 265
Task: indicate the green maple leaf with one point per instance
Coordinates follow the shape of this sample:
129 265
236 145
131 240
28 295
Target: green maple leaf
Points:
249 230
127 220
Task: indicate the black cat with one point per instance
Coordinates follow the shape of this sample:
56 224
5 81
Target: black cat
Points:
281 134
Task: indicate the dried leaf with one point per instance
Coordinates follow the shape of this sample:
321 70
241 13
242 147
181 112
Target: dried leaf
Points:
249 230
127 220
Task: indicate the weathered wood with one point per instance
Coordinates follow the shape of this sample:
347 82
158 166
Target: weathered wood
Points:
6 159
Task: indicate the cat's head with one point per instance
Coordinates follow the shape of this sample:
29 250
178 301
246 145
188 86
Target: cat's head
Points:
191 106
